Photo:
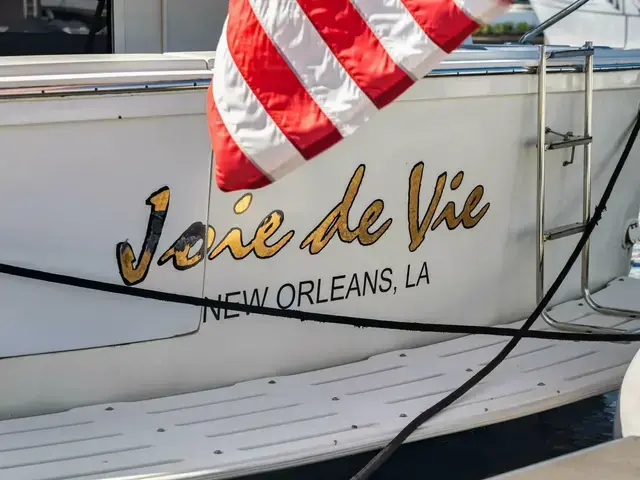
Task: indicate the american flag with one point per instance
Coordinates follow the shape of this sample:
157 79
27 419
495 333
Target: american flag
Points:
291 78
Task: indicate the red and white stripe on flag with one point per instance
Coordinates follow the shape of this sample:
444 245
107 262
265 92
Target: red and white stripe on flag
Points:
291 78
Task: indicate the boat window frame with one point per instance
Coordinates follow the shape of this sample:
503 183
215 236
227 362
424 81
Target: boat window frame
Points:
41 29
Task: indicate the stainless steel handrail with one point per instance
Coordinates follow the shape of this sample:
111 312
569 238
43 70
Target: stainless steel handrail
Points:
531 34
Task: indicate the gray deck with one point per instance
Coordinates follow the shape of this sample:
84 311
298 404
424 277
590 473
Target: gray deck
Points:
618 459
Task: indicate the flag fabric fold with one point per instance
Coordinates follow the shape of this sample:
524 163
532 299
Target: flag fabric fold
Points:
292 78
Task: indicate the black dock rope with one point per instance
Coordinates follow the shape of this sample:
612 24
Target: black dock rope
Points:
515 334
304 316
377 461
360 322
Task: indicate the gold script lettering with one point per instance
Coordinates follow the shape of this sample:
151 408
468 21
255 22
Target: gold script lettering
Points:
466 218
198 241
338 220
469 220
418 230
131 273
180 251
258 244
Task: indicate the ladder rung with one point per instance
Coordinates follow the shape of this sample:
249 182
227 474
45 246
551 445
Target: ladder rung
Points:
564 231
583 52
572 142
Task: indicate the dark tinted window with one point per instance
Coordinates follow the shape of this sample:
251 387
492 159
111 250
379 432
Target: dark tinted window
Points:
47 27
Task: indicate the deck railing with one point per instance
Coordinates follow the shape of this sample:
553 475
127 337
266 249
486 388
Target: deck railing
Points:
531 34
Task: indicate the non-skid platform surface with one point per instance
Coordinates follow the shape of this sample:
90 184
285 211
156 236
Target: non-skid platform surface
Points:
281 422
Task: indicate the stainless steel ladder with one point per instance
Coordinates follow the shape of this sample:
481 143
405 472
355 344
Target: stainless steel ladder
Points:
568 140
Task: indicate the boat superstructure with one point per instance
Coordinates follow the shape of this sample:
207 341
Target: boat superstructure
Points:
614 23
432 213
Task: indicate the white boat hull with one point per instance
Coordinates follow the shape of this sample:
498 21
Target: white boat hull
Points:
78 170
